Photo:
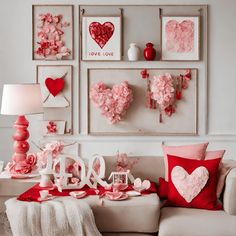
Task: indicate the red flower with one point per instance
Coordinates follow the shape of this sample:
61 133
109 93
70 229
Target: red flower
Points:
169 110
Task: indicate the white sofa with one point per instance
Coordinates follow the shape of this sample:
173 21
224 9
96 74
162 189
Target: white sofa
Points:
143 215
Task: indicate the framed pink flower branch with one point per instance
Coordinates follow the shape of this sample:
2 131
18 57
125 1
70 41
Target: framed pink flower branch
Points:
118 102
52 32
56 87
180 38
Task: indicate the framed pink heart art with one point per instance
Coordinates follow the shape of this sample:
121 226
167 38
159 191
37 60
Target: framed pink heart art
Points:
101 38
180 38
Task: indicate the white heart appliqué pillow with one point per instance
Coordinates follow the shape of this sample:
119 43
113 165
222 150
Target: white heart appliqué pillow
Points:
189 185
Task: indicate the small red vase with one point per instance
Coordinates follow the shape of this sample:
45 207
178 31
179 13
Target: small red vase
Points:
149 52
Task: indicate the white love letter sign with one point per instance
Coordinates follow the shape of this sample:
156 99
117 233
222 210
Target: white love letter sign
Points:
91 178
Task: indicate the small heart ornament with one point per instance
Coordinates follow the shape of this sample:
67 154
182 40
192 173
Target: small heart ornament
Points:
54 86
140 186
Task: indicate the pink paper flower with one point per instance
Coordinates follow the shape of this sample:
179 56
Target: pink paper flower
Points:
55 147
163 91
21 167
51 127
123 163
31 159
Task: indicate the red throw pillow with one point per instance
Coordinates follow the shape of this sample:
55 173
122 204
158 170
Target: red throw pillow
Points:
192 183
162 190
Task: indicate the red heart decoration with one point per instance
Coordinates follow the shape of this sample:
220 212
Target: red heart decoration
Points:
101 33
54 86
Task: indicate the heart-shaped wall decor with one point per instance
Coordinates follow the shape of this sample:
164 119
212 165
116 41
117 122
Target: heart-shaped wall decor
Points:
54 86
180 36
101 33
189 185
113 102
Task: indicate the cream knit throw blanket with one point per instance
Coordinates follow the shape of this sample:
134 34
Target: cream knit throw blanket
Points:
61 217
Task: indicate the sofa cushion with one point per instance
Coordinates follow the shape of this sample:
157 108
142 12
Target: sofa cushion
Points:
193 151
147 167
230 193
195 222
137 214
192 183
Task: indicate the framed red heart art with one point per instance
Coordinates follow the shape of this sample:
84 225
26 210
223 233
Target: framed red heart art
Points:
180 38
56 87
101 38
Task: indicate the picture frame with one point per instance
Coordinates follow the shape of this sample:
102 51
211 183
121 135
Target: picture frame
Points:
183 122
97 47
180 38
52 32
56 87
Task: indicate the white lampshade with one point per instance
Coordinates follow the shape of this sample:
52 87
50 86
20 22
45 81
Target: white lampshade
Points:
21 99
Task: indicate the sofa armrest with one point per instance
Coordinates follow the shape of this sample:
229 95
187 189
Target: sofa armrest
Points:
229 198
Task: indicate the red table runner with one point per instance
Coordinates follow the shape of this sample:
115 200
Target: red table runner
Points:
32 194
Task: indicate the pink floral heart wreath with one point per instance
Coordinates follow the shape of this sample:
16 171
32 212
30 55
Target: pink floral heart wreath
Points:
113 102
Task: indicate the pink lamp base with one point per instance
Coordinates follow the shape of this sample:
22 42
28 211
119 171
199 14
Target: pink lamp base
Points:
21 163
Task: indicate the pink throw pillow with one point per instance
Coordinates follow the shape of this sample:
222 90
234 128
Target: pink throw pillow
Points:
193 151
209 155
223 171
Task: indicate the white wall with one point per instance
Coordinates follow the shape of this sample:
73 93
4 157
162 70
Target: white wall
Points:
16 66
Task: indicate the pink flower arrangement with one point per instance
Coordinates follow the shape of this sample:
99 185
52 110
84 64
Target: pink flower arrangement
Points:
166 90
50 36
51 127
163 90
123 163
22 167
113 102
54 148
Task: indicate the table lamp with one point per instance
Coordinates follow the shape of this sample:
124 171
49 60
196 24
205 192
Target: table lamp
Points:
21 100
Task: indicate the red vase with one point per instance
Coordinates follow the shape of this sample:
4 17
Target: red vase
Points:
149 52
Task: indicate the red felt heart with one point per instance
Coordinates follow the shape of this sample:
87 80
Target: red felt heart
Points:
101 33
54 86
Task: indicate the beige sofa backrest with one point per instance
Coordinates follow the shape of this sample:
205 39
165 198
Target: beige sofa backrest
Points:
147 167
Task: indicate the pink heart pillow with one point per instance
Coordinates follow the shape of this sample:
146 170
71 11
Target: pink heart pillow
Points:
193 151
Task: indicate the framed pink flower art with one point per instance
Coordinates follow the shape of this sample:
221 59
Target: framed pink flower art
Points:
180 38
101 38
52 32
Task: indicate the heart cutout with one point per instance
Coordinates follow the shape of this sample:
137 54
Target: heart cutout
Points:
114 102
54 86
140 186
189 185
180 36
101 33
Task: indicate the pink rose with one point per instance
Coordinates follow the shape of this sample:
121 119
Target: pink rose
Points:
18 167
31 159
